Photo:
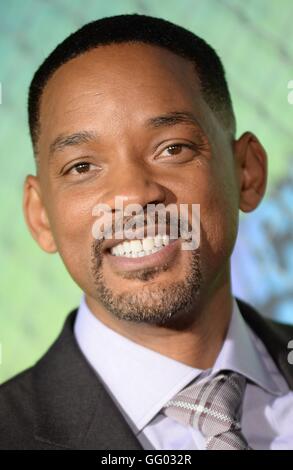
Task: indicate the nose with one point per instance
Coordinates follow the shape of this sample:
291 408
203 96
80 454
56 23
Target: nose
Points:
136 184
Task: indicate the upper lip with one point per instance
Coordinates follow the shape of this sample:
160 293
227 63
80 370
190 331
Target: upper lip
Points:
108 244
111 243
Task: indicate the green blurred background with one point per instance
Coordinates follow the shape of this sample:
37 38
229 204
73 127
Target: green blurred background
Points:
255 41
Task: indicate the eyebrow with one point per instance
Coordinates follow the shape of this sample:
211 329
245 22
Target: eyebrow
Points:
165 120
172 119
63 141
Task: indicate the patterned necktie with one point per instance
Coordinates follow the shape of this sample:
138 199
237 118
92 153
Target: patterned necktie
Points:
214 407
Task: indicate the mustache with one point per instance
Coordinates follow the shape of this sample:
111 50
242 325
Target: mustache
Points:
138 223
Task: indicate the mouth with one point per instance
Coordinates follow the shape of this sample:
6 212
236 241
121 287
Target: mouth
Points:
138 254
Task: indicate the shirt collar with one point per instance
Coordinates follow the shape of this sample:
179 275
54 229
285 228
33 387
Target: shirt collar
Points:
131 371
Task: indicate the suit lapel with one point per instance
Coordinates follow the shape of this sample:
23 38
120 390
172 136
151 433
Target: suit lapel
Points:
275 337
73 409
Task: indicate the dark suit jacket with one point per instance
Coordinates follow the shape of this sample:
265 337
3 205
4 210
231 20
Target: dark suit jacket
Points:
59 403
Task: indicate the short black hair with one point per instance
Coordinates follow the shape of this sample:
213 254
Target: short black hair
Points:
145 29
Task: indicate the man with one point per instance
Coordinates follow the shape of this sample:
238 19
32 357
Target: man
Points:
159 354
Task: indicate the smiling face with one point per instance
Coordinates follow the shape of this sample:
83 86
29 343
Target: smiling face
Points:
129 120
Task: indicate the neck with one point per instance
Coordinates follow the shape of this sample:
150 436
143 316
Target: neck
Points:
197 344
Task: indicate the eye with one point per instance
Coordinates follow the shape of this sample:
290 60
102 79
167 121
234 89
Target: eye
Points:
177 149
79 168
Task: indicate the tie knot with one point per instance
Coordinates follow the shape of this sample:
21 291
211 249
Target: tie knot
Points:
213 405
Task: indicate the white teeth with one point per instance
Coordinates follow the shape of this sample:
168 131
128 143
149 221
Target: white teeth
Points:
158 241
141 253
166 239
126 247
136 246
148 244
120 249
139 248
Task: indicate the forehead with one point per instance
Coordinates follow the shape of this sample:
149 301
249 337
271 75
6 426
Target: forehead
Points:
115 86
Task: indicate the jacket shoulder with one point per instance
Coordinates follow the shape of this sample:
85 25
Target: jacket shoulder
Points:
285 329
282 331
18 404
16 411
274 335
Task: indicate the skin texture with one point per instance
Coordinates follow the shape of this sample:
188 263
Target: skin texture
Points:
181 309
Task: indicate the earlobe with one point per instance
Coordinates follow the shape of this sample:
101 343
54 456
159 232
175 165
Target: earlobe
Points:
36 216
252 167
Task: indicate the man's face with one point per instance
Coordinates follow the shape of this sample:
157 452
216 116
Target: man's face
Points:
112 92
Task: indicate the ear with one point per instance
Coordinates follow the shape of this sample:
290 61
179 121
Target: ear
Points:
36 216
251 161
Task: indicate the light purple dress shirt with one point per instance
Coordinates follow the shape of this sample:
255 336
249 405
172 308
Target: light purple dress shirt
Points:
141 381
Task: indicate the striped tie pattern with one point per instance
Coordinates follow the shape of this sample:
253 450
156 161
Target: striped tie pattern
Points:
214 407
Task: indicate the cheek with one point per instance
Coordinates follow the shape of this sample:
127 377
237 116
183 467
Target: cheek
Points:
71 225
219 218
217 197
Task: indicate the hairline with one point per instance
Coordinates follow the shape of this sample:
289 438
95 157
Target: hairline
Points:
115 42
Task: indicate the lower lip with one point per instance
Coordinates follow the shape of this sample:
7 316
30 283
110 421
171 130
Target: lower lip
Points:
165 255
